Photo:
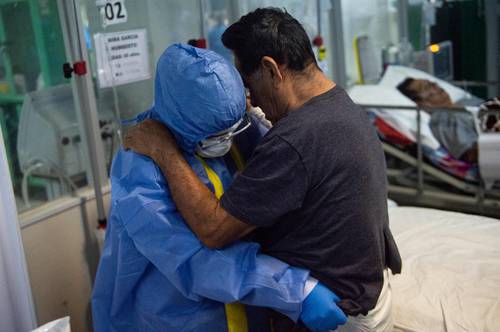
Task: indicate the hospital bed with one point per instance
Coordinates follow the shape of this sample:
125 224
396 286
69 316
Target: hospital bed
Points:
450 279
420 171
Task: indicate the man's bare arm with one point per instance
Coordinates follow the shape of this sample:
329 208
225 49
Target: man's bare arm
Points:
202 211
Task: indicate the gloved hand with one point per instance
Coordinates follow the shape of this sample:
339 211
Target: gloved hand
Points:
259 114
320 312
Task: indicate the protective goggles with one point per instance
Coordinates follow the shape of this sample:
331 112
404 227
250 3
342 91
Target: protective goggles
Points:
227 134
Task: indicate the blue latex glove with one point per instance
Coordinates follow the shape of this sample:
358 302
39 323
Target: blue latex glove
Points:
320 312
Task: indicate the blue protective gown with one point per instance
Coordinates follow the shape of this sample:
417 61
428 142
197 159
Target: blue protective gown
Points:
154 274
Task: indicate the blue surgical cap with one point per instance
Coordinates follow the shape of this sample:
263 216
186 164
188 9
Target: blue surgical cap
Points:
197 93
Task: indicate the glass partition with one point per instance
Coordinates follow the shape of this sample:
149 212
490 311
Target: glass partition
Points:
368 24
37 110
156 24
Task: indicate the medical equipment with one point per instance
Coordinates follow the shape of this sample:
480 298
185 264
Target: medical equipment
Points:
489 158
428 19
401 54
437 60
24 68
369 69
49 144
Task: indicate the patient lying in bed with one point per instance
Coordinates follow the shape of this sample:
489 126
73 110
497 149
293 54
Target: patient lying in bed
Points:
455 131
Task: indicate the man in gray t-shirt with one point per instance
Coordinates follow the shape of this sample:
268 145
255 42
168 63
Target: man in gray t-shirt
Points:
317 187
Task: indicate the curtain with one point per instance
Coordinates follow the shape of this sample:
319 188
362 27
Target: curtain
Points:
16 303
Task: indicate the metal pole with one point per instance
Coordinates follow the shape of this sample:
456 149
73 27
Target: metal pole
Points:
40 42
492 12
11 96
481 195
85 102
202 19
419 154
234 11
337 42
318 14
402 6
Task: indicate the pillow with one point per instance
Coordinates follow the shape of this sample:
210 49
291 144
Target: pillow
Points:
394 75
403 121
379 95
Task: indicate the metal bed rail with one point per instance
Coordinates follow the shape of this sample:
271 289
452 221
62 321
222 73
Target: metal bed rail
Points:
474 195
469 84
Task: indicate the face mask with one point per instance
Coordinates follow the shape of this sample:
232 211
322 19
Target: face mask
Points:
220 143
214 150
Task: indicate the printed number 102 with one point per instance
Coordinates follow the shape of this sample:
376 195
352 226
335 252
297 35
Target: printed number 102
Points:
113 11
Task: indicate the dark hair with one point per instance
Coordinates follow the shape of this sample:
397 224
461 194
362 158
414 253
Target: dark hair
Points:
269 32
404 88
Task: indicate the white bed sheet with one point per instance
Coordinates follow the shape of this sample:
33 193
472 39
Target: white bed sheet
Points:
451 271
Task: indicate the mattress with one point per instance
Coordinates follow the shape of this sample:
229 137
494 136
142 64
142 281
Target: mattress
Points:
451 271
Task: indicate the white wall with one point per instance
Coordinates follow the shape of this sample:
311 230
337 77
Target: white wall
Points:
305 12
62 257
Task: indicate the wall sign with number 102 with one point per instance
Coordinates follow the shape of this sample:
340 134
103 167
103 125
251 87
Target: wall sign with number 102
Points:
113 12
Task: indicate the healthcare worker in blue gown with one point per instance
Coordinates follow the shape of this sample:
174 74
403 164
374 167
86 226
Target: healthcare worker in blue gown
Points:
154 274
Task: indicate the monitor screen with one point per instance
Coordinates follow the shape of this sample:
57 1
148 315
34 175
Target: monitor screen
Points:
442 61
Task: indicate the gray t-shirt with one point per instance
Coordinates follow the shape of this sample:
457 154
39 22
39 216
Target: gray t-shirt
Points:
316 187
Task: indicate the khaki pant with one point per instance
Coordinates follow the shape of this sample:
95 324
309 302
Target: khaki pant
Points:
379 319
